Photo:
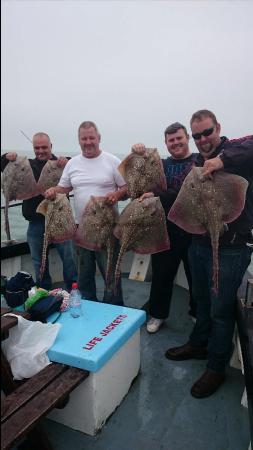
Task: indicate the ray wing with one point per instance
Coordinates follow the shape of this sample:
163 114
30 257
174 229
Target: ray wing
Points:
96 225
187 211
18 182
143 234
143 173
230 191
50 175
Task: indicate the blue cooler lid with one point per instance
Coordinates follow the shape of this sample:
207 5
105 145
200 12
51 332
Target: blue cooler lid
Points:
89 341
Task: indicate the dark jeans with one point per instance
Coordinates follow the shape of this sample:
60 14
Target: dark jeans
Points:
35 237
164 269
86 265
216 314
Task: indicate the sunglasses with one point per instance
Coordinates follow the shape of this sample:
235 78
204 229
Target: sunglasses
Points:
205 133
43 147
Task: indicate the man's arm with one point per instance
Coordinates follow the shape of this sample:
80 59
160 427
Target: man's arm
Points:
235 157
238 156
167 198
122 193
10 156
211 165
114 197
62 161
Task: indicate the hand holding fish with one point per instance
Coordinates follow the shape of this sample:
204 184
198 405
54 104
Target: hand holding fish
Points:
111 198
211 165
62 161
59 223
11 156
146 195
205 206
139 149
50 193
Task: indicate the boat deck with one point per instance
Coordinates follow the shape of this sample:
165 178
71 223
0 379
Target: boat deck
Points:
159 412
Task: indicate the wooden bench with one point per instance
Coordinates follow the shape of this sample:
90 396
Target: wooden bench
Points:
24 406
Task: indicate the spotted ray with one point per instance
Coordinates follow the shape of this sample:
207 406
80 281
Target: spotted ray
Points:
142 228
206 205
18 183
95 231
50 175
59 223
143 173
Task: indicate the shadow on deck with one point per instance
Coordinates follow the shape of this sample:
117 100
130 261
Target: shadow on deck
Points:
159 413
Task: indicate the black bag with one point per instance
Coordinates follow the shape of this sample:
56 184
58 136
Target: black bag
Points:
17 287
44 307
16 298
21 281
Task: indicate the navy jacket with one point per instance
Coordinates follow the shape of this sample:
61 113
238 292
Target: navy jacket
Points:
175 171
237 157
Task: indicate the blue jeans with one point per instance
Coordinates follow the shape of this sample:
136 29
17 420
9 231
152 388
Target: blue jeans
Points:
35 237
86 264
216 314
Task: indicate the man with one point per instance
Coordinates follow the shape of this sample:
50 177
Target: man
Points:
35 234
165 264
93 172
212 335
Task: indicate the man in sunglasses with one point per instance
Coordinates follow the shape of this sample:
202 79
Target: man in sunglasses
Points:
212 334
35 234
165 264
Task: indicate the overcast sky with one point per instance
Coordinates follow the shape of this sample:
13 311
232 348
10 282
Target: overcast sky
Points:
133 67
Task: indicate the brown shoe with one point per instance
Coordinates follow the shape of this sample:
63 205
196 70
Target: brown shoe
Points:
207 384
186 351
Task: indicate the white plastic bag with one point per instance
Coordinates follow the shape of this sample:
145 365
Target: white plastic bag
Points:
26 347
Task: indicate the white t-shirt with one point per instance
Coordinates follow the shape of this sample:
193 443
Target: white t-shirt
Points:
91 176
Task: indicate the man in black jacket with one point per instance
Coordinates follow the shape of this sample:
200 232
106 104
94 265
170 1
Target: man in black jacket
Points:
212 334
35 234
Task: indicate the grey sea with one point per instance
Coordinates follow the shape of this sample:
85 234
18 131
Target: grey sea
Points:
18 225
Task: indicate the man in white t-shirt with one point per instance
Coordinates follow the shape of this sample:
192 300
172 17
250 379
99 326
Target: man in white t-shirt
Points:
93 172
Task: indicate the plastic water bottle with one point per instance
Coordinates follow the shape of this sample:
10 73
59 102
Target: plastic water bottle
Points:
75 301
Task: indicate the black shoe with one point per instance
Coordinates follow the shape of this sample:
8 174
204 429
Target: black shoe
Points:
207 384
186 351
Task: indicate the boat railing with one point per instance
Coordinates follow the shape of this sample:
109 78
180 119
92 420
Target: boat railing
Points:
18 241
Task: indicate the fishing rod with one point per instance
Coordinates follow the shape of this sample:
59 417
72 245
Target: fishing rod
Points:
26 136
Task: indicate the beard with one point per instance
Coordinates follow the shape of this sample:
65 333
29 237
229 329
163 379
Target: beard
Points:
207 148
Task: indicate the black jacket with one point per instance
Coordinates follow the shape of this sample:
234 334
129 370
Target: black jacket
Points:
237 157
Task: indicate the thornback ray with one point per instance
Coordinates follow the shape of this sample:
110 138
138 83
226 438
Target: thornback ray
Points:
143 173
50 175
142 228
95 231
206 205
59 223
18 183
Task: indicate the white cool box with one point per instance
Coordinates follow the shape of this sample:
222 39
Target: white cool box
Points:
106 341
